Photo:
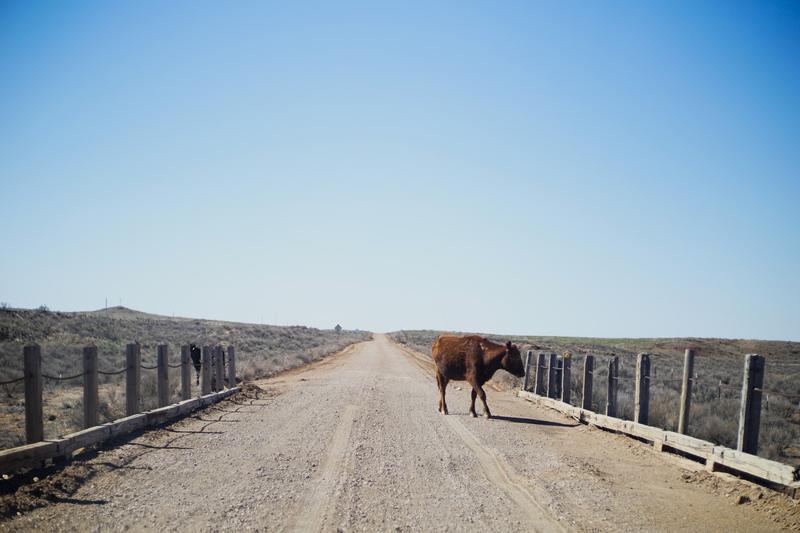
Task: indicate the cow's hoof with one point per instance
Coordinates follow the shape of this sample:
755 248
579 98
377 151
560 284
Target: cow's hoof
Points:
487 415
474 415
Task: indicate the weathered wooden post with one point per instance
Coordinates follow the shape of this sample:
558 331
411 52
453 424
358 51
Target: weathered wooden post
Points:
559 367
133 374
686 391
163 375
588 375
551 376
186 379
231 367
220 383
526 379
538 387
750 410
205 372
566 365
611 392
34 425
641 406
90 386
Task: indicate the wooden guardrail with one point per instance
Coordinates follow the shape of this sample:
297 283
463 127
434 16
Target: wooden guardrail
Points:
38 450
743 459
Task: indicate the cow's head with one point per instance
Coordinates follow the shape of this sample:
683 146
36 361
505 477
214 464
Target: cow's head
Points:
512 361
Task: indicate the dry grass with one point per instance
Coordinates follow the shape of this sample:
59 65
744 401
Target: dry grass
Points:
260 351
715 396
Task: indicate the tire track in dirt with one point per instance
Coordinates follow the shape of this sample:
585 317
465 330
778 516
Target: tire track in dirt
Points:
503 476
495 468
315 508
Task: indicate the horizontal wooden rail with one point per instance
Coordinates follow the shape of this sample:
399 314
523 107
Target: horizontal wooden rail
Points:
713 455
34 455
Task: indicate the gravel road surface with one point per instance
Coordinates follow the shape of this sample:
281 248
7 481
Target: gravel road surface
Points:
355 443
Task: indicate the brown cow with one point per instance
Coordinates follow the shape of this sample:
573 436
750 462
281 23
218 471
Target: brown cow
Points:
473 359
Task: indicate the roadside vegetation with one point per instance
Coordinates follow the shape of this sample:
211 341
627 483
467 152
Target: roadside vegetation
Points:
260 351
716 392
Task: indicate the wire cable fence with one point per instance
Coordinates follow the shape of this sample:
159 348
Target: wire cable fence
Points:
109 397
711 392
112 372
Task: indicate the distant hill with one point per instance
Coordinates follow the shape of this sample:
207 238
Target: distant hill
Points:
785 351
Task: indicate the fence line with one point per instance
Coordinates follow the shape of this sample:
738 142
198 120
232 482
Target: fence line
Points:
34 424
743 459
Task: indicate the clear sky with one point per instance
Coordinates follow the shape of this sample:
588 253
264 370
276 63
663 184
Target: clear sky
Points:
556 168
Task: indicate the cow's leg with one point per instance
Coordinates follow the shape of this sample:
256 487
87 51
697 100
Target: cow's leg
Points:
477 390
482 394
472 405
439 387
441 380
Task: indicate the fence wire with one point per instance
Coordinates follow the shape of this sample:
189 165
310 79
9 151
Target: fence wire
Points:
112 373
60 378
788 396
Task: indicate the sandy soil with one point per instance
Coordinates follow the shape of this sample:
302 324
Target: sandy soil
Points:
355 443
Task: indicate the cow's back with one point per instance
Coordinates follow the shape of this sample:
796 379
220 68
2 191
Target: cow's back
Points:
450 354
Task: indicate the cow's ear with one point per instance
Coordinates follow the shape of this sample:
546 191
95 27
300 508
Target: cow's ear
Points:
508 345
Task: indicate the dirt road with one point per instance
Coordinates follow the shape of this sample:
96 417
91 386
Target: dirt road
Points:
355 443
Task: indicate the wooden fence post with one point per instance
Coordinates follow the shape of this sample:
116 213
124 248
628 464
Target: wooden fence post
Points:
231 367
186 379
686 391
551 376
205 372
526 379
133 361
641 407
588 375
566 365
34 425
220 384
538 387
90 386
750 410
611 392
162 373
559 367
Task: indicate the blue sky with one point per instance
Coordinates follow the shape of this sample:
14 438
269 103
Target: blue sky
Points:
557 168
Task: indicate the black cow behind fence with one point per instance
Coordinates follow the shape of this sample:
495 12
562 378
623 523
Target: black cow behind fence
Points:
196 360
